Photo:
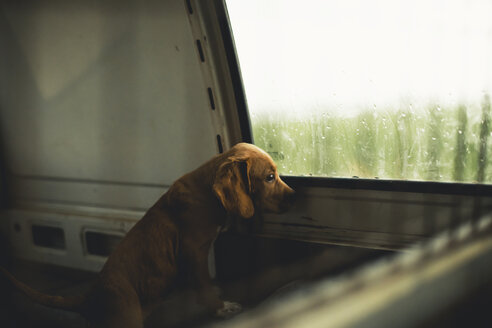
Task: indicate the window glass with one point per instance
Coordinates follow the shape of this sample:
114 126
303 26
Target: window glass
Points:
375 89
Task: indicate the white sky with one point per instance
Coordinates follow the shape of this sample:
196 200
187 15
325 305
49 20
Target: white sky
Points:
300 55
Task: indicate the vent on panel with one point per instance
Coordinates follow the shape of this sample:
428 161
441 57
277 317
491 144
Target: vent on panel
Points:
188 5
48 237
211 98
219 144
200 50
100 243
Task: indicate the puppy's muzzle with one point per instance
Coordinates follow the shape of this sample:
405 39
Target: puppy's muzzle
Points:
288 199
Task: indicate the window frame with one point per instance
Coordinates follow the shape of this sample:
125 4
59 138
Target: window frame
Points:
234 71
433 187
367 213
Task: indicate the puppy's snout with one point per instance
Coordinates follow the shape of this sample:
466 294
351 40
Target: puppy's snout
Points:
288 199
290 196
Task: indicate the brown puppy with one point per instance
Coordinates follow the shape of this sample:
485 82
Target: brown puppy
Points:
174 237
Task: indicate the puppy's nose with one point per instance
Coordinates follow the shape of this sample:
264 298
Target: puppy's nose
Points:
290 196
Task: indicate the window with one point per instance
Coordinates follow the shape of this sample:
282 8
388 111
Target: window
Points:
372 89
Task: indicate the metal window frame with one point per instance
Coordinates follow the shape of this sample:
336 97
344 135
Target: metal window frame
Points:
455 188
370 213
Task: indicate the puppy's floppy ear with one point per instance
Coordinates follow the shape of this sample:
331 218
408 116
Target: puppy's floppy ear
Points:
232 187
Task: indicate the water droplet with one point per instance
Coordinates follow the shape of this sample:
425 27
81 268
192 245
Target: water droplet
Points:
433 138
460 132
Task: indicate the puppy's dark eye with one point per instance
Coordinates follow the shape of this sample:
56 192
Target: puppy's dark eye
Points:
270 178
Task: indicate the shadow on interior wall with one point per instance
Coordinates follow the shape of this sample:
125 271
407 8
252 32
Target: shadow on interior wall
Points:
20 101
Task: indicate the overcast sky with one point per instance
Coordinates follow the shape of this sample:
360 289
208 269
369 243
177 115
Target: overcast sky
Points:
350 54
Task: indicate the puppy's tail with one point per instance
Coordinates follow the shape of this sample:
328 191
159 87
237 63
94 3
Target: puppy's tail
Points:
72 303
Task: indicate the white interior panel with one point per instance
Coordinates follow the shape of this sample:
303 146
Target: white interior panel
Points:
100 92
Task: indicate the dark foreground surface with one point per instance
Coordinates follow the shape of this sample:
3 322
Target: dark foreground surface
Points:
250 272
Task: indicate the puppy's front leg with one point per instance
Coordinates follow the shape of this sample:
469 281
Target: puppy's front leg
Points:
207 293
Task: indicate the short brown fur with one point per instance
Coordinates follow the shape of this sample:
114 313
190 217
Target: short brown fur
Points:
174 237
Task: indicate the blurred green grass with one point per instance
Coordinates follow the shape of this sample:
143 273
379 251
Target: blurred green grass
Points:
429 144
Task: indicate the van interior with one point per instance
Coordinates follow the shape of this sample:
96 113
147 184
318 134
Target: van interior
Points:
103 105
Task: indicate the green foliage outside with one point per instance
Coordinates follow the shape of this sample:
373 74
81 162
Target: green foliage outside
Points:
432 144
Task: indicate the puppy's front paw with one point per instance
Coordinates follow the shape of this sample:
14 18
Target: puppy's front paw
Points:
229 309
